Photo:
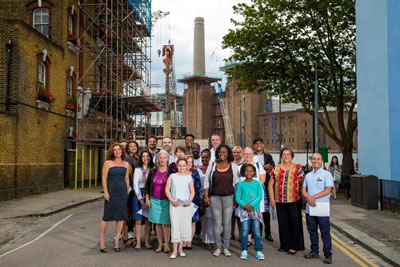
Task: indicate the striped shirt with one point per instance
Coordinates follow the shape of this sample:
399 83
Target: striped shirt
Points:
287 183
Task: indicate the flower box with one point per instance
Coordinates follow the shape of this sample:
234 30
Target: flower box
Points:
71 46
43 105
70 113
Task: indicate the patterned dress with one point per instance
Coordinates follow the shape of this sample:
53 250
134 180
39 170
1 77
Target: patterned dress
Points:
197 194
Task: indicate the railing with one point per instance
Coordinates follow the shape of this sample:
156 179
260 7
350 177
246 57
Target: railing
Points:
389 195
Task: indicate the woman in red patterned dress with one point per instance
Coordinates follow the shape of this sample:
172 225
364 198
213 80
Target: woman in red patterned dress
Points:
285 193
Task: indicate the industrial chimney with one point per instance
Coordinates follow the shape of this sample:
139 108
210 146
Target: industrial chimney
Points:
198 47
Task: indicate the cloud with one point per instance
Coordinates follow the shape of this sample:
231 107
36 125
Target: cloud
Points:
178 28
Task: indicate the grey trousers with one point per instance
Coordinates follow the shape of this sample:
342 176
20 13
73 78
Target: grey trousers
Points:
221 208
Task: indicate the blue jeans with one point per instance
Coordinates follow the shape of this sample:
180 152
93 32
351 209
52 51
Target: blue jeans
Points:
245 230
312 226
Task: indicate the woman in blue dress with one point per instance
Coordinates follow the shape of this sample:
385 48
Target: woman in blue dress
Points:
115 181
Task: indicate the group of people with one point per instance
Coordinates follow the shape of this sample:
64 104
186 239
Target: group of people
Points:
188 192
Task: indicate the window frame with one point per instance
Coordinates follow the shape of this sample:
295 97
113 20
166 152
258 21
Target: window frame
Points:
41 23
41 74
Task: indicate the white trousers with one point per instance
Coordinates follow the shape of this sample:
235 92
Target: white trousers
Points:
181 223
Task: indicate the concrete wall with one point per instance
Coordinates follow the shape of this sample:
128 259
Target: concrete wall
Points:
378 82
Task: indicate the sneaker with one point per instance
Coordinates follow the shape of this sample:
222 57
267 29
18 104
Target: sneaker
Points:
131 235
328 260
217 252
244 255
311 255
227 253
259 255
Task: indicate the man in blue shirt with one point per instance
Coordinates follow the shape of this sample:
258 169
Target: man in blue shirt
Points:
317 187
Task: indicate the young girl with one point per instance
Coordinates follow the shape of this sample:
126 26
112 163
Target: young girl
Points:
180 192
249 194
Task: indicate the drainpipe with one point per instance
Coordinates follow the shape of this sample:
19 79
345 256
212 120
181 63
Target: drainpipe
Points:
9 47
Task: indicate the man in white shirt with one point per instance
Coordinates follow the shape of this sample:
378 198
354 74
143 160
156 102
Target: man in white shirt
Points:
317 187
215 142
167 146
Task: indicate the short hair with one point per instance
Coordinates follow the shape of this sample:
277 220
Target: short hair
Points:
191 157
196 144
151 136
288 149
216 134
207 151
130 142
248 148
243 168
167 137
110 152
189 135
162 151
180 159
230 154
238 148
140 161
181 148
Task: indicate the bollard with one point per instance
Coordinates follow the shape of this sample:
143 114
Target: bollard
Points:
90 167
76 167
83 166
96 161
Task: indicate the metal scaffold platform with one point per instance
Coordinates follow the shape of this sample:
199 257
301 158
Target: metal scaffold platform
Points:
113 83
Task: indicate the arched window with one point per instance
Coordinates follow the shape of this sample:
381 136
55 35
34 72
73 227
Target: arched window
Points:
41 76
41 20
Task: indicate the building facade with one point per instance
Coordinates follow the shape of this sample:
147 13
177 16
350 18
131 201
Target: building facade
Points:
60 92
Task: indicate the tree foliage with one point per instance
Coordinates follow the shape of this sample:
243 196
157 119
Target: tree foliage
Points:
279 41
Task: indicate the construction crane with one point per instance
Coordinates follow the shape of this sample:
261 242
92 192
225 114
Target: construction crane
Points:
168 53
158 15
225 115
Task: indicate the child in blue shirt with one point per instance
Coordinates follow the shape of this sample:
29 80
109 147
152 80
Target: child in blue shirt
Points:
249 194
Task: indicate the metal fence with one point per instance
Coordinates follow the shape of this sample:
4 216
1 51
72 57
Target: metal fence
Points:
389 195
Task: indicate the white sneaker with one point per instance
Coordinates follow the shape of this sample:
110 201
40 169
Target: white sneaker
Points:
130 235
217 252
227 253
244 255
259 255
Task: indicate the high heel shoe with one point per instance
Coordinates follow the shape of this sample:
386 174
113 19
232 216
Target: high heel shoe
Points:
102 250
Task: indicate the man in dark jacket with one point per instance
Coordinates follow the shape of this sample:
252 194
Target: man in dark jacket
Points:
267 162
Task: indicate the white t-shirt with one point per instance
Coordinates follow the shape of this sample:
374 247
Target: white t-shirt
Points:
259 171
259 158
197 162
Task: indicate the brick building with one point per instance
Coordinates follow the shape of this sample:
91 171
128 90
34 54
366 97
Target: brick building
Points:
63 47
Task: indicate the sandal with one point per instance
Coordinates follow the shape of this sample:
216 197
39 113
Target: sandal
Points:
292 252
148 246
128 242
159 249
166 248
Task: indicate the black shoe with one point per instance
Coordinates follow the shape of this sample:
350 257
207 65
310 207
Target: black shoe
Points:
292 252
311 255
328 260
117 249
282 250
269 238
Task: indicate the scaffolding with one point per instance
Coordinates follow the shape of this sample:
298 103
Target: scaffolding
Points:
114 69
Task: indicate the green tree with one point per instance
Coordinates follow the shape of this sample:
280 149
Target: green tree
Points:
281 40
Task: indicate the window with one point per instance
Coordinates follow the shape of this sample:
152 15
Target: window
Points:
41 20
70 24
41 76
69 87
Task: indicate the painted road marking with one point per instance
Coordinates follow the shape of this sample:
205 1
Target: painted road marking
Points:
37 238
349 251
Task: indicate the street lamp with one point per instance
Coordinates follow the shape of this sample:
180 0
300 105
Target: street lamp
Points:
315 148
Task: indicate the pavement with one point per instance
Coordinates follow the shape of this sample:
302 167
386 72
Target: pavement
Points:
377 231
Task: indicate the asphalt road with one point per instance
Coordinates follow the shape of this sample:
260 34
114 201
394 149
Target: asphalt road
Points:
70 238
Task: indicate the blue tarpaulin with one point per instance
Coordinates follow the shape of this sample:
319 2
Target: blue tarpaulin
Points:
142 9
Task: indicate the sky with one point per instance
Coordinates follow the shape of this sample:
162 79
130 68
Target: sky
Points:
178 28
